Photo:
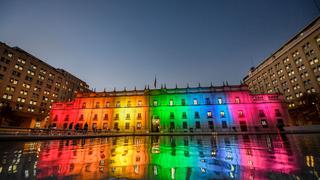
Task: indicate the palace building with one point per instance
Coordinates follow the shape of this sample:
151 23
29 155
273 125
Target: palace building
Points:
196 109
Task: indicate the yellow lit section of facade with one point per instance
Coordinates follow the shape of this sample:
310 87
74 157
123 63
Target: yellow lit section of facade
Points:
129 160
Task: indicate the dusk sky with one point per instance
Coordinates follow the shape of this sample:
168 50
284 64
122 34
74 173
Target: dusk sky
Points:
125 43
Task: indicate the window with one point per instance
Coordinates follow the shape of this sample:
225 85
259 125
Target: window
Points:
81 117
219 100
66 118
277 112
116 117
127 125
106 117
237 101
208 101
195 101
116 126
222 115
224 124
118 104
129 103
240 113
139 103
95 117
261 113
171 115
155 103
171 102
138 125
184 115
184 125
105 125
128 116
209 114
196 115
84 105
198 125
97 104
183 102
264 123
107 104
139 116
55 118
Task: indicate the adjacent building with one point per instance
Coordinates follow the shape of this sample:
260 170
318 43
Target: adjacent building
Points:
28 86
293 70
220 108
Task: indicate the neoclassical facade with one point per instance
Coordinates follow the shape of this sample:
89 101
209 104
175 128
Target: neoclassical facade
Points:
196 109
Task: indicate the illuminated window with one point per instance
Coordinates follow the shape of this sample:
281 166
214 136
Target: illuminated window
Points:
237 100
155 103
138 125
264 123
240 113
195 101
105 125
222 115
183 102
196 115
118 104
171 115
171 102
107 104
84 105
94 125
139 103
184 115
219 100
209 114
97 104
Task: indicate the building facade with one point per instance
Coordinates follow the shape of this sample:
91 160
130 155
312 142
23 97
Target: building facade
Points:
292 70
28 86
224 108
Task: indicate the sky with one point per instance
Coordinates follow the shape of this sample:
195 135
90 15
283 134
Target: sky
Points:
126 43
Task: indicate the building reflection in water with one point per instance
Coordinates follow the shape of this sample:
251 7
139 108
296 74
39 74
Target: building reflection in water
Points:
164 157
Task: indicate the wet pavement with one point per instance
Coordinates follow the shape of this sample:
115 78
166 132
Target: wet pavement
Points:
294 156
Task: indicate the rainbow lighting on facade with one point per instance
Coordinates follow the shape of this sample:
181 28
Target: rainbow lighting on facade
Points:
214 108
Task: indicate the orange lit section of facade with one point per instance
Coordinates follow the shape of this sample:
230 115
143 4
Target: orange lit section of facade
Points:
126 111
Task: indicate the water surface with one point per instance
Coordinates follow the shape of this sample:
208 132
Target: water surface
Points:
164 157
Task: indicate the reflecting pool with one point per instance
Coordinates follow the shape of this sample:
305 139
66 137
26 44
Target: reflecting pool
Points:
164 157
